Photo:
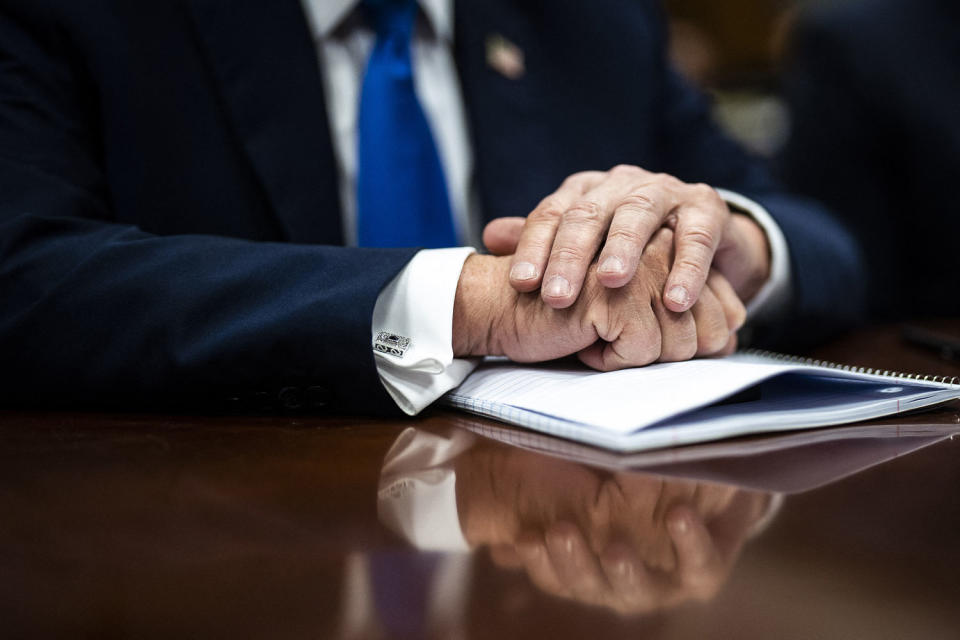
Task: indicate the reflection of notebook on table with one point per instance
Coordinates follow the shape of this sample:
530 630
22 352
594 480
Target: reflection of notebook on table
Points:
681 403
785 463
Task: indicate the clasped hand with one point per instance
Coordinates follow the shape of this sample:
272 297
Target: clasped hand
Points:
607 328
668 283
617 212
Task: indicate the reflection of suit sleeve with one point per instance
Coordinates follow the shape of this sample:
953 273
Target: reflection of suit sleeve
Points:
826 263
96 310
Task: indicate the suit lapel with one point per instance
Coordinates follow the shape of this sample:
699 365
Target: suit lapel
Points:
265 62
509 117
567 111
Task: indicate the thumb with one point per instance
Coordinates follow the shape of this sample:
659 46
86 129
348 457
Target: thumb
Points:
744 256
501 235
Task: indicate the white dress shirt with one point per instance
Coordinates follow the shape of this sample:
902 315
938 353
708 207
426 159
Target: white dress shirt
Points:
418 303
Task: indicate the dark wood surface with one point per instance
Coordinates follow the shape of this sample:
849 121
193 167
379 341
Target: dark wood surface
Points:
173 526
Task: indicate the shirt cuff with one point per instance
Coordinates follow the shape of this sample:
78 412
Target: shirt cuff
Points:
413 330
774 296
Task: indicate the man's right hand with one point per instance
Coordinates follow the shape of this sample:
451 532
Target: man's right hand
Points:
607 328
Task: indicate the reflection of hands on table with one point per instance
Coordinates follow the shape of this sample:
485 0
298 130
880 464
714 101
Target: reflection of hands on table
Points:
634 543
561 561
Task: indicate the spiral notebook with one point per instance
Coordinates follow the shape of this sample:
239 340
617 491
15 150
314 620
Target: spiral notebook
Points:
678 403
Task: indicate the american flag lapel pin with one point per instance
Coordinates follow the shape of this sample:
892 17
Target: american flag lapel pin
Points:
504 57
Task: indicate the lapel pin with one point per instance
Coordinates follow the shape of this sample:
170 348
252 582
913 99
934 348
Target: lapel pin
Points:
504 57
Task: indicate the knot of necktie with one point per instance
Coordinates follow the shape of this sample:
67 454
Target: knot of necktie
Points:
394 17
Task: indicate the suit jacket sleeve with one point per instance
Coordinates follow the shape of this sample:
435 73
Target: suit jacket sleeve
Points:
826 260
98 312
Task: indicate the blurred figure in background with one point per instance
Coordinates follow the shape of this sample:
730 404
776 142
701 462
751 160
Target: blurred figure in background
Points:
733 50
874 90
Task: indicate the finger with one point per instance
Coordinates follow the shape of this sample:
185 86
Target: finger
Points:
744 256
635 589
576 566
639 215
502 235
731 346
578 237
708 315
532 550
701 220
699 566
637 343
505 556
678 334
733 308
730 529
536 241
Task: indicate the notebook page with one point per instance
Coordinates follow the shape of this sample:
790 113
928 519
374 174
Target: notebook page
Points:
616 401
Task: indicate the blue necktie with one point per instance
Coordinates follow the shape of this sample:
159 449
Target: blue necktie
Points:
402 198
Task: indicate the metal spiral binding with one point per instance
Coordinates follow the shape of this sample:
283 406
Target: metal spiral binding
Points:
788 359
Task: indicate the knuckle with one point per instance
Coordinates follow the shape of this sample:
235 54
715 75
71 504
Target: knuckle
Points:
625 170
647 342
651 350
699 236
705 192
572 180
568 254
712 335
668 180
625 235
641 203
690 268
550 209
682 344
585 211
579 178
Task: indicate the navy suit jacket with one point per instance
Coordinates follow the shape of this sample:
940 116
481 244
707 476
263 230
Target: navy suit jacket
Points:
169 213
874 87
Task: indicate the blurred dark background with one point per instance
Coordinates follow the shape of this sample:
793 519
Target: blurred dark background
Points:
857 102
734 49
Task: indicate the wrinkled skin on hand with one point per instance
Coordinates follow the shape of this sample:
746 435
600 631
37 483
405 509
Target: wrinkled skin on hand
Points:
607 328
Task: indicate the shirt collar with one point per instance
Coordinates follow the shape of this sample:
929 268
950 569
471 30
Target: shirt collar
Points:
327 15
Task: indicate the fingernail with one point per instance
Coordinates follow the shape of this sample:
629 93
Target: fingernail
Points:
523 271
557 287
612 264
678 295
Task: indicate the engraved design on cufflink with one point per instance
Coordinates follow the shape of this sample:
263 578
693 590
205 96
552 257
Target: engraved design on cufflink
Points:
391 343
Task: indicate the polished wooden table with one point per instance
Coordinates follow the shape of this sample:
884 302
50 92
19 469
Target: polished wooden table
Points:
174 526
